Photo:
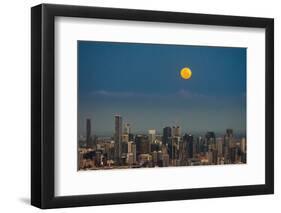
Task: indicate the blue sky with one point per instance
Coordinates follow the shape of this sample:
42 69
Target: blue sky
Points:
142 83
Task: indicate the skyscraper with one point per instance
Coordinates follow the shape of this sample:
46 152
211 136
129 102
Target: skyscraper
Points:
142 144
127 128
188 140
210 141
167 134
243 150
88 132
151 138
228 138
210 137
118 138
220 147
176 131
152 135
229 132
243 145
134 151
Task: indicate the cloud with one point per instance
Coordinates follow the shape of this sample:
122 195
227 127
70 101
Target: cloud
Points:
188 94
185 93
112 94
117 94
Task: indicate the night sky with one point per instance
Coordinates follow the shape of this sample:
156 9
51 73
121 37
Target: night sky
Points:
142 83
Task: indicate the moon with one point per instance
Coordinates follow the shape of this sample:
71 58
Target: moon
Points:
185 73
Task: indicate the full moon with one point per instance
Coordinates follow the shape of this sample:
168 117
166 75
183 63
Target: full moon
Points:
185 73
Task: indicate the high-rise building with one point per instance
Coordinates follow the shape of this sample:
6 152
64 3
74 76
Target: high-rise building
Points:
215 157
229 132
243 150
228 139
188 140
210 137
220 146
176 131
130 146
174 148
165 160
200 144
233 153
124 147
210 157
243 145
196 148
130 158
154 157
142 144
118 138
125 138
131 137
134 151
151 138
167 134
151 135
88 132
127 128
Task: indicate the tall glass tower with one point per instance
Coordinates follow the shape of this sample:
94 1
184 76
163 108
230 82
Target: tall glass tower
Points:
118 138
88 132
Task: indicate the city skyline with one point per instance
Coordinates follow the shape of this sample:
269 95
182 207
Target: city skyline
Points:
129 125
141 82
124 149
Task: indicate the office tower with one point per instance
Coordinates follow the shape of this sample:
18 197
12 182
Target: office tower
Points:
233 154
210 137
210 156
130 158
195 148
243 150
176 131
151 138
134 151
123 160
109 151
174 149
229 133
220 146
127 128
142 144
200 144
124 148
118 138
182 154
125 138
226 150
130 146
215 157
131 137
167 134
160 158
151 135
98 158
154 157
228 139
188 140
165 160
88 132
243 145
155 147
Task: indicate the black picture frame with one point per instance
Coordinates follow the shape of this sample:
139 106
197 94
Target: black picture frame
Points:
43 102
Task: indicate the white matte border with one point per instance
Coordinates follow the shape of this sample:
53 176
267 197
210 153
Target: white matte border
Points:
70 182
